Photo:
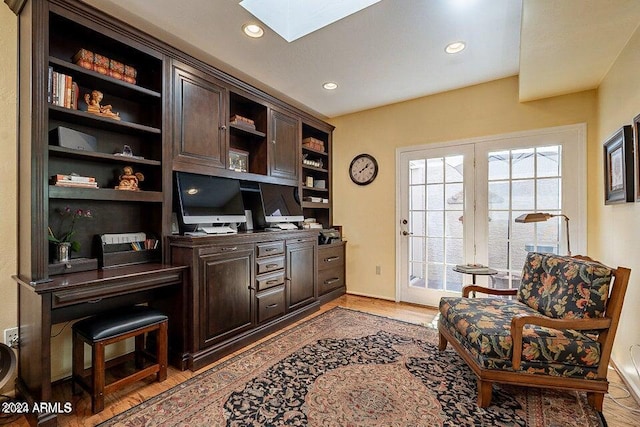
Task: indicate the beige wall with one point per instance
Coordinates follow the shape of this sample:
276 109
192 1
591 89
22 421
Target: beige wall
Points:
368 213
614 232
8 170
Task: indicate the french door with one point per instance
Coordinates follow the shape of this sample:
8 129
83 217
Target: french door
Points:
457 204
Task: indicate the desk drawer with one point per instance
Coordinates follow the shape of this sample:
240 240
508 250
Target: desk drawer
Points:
330 257
271 304
269 249
269 280
330 279
266 265
113 288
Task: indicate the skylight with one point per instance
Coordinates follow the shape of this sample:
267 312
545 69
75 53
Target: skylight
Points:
293 19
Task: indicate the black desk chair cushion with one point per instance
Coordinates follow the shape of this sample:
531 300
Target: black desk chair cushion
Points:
109 325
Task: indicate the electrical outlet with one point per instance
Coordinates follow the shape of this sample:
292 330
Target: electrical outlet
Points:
11 337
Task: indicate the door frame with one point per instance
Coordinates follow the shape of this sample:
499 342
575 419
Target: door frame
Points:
578 222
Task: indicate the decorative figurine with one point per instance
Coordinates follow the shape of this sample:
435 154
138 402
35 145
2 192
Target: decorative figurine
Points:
129 180
94 107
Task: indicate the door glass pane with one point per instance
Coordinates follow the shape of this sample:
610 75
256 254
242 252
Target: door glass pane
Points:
531 183
435 211
522 163
499 165
416 172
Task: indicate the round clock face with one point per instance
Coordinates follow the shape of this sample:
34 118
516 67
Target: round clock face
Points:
363 169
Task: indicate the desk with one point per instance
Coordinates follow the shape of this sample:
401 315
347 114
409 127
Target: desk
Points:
73 296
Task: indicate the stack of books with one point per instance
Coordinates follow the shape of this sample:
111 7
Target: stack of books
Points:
75 181
62 90
472 268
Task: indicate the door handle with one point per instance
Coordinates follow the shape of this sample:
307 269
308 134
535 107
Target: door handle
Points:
406 233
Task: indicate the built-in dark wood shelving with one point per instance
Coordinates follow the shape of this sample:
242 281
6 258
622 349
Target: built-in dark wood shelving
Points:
313 168
88 119
311 150
111 85
56 192
326 190
92 155
248 131
316 205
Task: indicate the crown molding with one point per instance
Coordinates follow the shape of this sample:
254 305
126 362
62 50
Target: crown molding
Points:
15 5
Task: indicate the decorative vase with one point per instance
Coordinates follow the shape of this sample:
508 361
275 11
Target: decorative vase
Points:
63 251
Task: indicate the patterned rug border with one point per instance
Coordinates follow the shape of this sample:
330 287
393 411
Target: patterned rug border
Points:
259 346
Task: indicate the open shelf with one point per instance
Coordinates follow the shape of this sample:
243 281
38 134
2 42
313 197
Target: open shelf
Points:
247 130
88 119
56 192
85 77
315 205
81 154
313 168
311 150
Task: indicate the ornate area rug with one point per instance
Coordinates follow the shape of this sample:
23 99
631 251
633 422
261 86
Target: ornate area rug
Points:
348 368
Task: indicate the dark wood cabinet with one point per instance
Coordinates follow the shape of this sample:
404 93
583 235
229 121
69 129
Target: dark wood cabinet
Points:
284 151
244 286
331 271
301 272
226 299
200 121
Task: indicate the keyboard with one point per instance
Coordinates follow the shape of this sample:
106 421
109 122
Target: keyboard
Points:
218 230
286 226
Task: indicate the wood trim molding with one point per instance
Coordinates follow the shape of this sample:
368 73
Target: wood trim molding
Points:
15 5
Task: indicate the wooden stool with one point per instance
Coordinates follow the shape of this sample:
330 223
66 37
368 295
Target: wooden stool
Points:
102 330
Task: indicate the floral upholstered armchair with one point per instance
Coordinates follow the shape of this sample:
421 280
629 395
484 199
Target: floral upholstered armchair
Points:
557 332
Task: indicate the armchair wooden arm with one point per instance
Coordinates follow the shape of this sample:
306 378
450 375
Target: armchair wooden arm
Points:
466 290
519 320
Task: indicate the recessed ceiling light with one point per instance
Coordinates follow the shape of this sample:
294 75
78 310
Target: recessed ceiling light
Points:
330 85
455 47
253 30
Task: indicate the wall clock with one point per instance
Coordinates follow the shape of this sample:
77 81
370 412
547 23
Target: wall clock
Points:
363 169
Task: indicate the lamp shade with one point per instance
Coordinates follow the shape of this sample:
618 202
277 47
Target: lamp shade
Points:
534 217
543 216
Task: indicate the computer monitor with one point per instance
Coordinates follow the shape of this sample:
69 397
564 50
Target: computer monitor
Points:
280 203
209 200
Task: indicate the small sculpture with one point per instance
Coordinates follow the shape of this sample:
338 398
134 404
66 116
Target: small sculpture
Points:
129 180
94 107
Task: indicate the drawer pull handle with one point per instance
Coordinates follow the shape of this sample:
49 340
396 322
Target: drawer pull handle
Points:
272 306
94 301
230 248
272 265
330 281
271 249
273 282
331 259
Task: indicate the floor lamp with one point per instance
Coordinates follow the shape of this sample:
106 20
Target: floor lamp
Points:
541 216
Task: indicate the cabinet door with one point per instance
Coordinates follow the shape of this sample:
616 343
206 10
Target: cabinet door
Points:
199 134
301 274
226 295
285 146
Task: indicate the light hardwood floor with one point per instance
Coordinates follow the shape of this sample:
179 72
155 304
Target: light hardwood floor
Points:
143 390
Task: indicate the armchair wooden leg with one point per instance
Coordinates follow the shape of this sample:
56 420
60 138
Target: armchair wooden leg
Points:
485 390
442 343
596 400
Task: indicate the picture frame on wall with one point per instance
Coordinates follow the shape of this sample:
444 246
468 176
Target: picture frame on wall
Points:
636 154
619 176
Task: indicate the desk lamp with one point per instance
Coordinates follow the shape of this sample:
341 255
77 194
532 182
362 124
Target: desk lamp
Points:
541 216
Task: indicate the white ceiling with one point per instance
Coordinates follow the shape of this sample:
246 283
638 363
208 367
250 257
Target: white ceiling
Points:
394 50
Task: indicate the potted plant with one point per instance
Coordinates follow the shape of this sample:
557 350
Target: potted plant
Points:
63 240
